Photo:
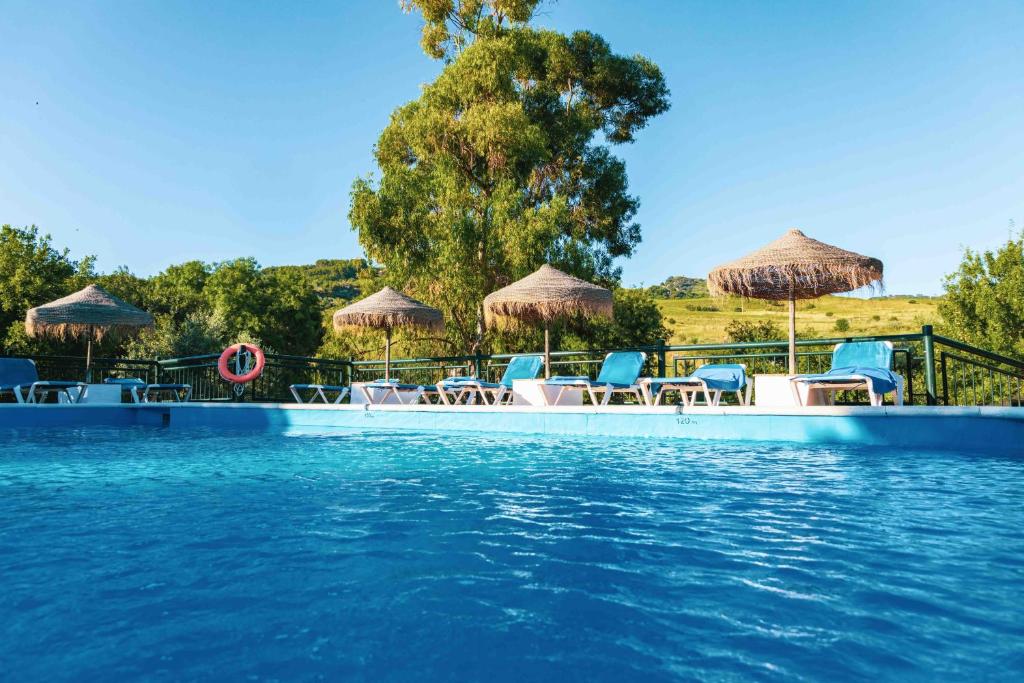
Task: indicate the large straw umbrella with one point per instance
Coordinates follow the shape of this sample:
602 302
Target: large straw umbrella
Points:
795 267
388 309
545 296
92 313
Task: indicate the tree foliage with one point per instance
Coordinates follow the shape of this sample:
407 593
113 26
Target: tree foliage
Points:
199 307
984 302
32 272
450 25
637 321
504 162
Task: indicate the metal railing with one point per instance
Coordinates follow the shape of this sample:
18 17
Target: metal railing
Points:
279 373
936 370
73 368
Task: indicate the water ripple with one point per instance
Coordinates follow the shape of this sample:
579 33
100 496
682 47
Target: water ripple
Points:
344 554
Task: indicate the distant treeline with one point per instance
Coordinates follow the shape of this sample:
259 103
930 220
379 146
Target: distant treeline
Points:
202 307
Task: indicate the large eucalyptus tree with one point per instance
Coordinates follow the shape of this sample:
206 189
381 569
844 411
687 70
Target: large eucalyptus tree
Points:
504 162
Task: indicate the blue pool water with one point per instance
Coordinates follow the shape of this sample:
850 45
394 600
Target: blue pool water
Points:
162 554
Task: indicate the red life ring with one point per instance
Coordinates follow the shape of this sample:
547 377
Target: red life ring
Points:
257 370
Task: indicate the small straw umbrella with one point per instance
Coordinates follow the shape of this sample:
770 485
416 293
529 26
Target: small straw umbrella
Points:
545 296
795 267
388 309
92 313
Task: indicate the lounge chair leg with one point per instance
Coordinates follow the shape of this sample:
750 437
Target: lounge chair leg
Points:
796 393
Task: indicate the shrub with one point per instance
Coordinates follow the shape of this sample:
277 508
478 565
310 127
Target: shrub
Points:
753 331
876 317
842 325
829 314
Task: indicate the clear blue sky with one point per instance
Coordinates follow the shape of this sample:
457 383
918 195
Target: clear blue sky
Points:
149 132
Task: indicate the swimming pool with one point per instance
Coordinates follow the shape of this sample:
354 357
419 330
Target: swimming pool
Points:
143 552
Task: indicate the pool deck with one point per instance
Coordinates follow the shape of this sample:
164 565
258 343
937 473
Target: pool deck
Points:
924 427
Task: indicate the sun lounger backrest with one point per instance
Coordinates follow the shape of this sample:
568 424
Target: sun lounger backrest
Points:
521 367
717 370
863 355
15 371
621 367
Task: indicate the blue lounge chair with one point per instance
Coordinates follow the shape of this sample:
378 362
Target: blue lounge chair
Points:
141 392
619 373
453 390
20 377
712 380
856 366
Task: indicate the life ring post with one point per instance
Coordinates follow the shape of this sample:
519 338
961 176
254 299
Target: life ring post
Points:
239 379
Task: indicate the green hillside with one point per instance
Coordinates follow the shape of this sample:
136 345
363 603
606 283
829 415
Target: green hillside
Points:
336 281
704 319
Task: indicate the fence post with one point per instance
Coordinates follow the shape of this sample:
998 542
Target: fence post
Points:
927 336
661 357
478 365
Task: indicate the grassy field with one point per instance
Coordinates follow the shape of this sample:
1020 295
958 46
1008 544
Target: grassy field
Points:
703 320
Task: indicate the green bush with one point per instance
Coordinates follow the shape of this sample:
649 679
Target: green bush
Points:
842 325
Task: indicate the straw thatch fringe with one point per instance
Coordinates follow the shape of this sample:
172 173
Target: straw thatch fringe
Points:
546 295
388 309
92 313
795 265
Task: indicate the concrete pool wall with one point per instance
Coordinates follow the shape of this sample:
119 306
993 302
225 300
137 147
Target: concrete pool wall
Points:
968 429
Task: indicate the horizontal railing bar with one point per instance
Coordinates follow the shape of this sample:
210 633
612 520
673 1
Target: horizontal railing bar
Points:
967 348
977 364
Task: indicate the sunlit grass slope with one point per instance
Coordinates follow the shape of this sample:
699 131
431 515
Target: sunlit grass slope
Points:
703 320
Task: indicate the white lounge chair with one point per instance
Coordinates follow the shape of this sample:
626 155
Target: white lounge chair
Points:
711 380
619 373
454 390
20 377
856 366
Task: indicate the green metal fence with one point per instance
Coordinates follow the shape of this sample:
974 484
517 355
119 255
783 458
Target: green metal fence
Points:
937 370
279 373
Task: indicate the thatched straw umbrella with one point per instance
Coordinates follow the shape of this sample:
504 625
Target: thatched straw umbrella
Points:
388 309
92 313
795 267
545 296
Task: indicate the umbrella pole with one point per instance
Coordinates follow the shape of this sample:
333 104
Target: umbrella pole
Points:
387 355
547 353
88 359
792 333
